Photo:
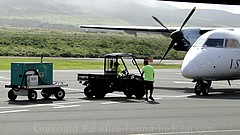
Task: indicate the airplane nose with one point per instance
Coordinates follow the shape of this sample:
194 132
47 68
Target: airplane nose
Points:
190 70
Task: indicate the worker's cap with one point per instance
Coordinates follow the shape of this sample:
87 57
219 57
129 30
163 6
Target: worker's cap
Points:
145 62
116 63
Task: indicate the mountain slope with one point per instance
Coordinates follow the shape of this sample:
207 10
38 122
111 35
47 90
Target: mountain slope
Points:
65 14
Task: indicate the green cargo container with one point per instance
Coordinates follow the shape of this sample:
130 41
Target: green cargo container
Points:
44 71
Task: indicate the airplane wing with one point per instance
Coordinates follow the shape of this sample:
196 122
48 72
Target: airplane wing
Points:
132 29
227 2
144 29
166 31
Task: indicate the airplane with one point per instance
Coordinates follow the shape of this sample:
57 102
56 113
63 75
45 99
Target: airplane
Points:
213 54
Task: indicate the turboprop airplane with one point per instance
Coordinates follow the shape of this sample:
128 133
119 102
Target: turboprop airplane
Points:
212 54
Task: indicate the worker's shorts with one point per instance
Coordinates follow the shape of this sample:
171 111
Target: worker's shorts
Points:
148 85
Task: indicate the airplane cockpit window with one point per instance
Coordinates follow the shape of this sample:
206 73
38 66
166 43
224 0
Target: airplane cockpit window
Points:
232 43
199 42
214 43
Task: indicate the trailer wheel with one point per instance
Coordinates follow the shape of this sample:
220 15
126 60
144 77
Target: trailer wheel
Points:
60 94
45 94
88 92
11 95
32 95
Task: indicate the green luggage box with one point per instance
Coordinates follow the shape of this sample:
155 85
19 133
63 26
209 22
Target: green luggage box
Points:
44 70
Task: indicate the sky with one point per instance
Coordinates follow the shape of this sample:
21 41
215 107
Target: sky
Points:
184 5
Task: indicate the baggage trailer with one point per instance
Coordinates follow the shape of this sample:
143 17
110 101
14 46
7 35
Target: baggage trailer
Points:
28 77
128 81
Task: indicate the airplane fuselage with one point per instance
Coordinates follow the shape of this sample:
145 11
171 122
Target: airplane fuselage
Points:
214 56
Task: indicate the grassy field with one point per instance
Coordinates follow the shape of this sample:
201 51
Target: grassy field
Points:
60 43
70 64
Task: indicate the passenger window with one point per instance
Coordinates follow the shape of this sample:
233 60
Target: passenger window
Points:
214 43
232 43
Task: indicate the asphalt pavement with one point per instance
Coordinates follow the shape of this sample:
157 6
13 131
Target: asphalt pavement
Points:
175 111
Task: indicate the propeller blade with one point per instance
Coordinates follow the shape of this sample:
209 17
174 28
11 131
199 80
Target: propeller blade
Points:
156 19
188 17
169 48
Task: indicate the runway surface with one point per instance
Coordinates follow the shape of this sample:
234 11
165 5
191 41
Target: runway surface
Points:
175 111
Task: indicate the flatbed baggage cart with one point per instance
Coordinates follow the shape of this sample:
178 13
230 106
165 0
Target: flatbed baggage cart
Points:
29 77
30 91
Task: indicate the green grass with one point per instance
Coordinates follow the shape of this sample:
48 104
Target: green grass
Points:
70 64
60 43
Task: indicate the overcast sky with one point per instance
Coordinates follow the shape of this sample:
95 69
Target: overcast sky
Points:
184 5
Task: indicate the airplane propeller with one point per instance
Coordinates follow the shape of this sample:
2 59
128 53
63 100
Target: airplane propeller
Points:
177 36
156 19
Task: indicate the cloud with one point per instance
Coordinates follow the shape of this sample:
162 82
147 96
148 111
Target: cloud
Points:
184 5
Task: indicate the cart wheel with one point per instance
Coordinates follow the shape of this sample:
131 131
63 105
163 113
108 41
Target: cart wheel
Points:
128 93
32 95
88 92
139 93
59 94
100 95
45 94
11 95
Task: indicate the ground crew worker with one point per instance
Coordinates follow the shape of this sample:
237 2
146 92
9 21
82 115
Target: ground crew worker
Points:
148 75
117 68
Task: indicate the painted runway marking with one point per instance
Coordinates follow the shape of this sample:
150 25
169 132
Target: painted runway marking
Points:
157 98
45 105
172 96
69 106
72 89
193 132
13 111
7 82
180 82
216 84
4 78
118 95
107 103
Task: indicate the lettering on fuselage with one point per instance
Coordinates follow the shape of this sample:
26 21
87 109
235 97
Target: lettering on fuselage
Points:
234 64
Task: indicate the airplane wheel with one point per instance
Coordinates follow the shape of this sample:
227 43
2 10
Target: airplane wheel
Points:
32 95
11 95
198 88
205 90
60 94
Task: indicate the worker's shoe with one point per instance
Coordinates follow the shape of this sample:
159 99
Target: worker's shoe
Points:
151 98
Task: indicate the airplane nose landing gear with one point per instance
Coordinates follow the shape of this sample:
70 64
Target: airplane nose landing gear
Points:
202 87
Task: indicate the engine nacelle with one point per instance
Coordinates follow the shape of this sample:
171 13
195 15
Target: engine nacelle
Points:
181 46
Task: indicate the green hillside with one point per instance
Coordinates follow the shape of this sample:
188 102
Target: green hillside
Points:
59 14
62 43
